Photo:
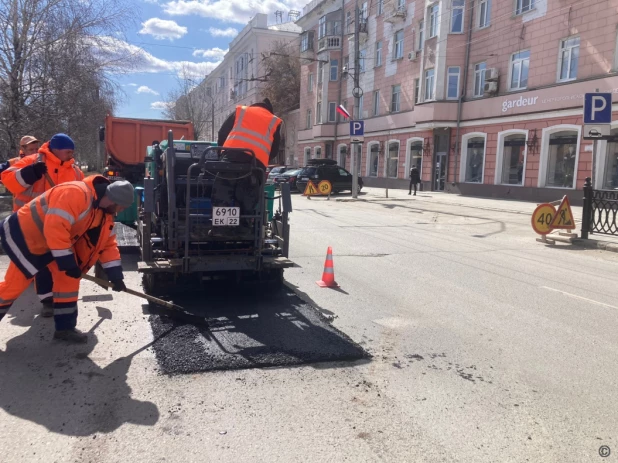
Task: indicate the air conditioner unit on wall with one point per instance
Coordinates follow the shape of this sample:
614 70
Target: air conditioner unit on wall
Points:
491 88
413 55
492 75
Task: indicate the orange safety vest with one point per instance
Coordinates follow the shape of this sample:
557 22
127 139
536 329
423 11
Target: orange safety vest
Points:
59 172
65 223
254 129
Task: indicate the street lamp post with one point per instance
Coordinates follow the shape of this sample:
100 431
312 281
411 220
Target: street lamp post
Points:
359 112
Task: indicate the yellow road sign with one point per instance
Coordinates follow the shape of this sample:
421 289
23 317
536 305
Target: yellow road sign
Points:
325 187
311 189
542 218
564 216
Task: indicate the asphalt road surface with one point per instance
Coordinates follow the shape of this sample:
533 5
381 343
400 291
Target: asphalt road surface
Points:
483 346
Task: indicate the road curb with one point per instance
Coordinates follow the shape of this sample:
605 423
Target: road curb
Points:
596 244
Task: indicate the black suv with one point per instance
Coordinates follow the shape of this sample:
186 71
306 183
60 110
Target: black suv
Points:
326 169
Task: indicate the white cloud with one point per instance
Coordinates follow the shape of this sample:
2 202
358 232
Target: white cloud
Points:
162 29
145 89
213 53
131 85
142 61
229 32
234 11
160 105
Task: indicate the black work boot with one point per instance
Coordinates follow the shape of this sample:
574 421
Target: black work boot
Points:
47 310
74 336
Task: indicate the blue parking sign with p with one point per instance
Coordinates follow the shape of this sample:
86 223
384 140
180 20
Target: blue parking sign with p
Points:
597 108
357 128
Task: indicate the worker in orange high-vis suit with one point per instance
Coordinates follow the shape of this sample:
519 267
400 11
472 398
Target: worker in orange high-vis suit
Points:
29 178
67 229
28 145
253 127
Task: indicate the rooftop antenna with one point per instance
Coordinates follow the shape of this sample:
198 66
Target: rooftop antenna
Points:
279 16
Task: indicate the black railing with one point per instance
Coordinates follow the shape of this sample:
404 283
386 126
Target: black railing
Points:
600 211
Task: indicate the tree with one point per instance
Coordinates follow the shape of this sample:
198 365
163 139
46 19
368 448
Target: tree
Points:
191 101
54 63
282 71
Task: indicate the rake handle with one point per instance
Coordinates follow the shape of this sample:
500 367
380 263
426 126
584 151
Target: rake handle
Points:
153 299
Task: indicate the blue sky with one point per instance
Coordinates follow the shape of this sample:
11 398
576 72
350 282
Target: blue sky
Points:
182 34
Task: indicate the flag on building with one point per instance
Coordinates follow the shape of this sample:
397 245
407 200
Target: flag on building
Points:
344 112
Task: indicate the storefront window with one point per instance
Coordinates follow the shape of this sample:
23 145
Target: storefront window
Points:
393 159
416 156
513 157
561 162
475 159
373 160
610 181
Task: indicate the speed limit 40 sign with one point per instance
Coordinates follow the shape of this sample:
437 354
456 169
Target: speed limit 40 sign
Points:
542 218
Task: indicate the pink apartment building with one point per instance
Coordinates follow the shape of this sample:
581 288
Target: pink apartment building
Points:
484 96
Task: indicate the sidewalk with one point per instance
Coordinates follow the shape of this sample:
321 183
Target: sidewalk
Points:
596 241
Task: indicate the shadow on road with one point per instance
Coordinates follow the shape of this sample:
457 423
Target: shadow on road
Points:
57 386
249 329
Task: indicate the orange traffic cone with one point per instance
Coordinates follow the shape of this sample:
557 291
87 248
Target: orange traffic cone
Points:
328 277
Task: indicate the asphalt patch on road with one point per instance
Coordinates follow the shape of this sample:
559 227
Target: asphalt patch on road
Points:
247 329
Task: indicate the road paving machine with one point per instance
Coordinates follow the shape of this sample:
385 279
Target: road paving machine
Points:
207 214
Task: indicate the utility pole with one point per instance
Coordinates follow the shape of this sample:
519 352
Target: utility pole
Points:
359 114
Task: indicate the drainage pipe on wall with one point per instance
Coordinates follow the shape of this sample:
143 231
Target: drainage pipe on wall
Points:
340 75
463 94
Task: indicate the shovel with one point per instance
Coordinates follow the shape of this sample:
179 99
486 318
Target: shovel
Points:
176 309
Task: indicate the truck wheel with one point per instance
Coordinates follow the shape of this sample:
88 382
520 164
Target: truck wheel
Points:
155 284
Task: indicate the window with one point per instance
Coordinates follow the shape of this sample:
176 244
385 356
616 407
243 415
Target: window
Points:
376 103
457 14
334 69
569 56
359 110
380 7
433 19
610 178
479 79
307 156
561 160
484 13
317 152
523 6
348 22
429 82
416 156
318 113
343 154
519 70
401 5
361 60
332 111
378 58
452 91
344 103
374 156
320 72
421 34
417 91
363 15
321 27
329 151
392 162
310 83
306 41
513 159
475 159
395 97
309 120
398 45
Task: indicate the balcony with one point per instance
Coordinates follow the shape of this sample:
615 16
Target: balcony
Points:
395 13
331 42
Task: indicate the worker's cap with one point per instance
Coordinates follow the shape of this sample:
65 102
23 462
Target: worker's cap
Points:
61 141
120 192
26 140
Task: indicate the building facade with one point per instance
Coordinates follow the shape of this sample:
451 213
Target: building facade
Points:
236 81
484 96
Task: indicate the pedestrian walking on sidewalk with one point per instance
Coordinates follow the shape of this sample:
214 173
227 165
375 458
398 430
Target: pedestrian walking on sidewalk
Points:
66 230
415 179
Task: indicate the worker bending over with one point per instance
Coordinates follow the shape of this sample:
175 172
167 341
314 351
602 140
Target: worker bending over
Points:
32 176
67 229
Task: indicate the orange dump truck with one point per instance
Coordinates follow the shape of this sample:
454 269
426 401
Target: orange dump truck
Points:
127 140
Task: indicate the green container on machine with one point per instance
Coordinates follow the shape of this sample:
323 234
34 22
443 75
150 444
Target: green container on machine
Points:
269 192
129 215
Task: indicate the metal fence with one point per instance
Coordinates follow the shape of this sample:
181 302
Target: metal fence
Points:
599 212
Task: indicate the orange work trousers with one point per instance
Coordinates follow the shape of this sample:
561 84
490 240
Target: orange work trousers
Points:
65 294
